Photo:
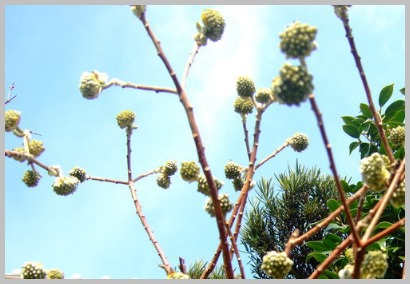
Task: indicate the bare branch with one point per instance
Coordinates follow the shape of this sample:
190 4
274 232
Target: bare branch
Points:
122 84
328 147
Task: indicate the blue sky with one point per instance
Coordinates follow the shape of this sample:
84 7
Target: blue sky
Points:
95 232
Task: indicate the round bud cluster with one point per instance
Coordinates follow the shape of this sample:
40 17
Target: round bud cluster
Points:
232 170
297 40
264 95
125 119
397 136
299 142
65 185
11 120
238 183
138 10
349 255
170 168
293 85
245 86
91 84
33 270
398 198
226 205
79 173
31 178
243 105
214 24
374 172
35 147
203 185
346 272
177 275
163 181
189 171
374 265
276 264
20 157
55 273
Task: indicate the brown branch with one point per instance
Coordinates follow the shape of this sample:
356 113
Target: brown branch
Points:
245 131
220 220
28 157
328 147
106 180
194 52
272 155
9 93
384 233
293 242
122 84
236 250
330 258
379 124
161 254
182 266
384 201
155 171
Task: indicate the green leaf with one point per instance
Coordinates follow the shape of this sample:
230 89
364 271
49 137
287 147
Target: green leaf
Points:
398 118
393 108
365 109
320 257
333 227
348 119
364 149
330 274
402 91
316 245
353 146
351 130
331 241
333 204
385 95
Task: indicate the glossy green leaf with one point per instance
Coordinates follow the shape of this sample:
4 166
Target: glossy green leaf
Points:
364 149
348 119
320 257
330 274
402 90
398 118
333 204
365 109
331 241
316 245
334 227
351 130
385 95
393 108
353 146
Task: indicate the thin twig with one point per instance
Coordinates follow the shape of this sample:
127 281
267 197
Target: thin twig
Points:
182 266
330 258
220 220
272 155
328 147
106 180
384 202
194 52
27 157
122 84
161 254
155 171
245 131
9 93
385 232
379 124
235 248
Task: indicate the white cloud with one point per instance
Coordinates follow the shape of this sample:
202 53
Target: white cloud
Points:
76 276
105 277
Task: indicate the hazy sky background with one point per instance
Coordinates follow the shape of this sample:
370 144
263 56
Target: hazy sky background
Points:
95 232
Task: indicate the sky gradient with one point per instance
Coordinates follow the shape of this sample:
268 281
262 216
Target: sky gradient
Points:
95 232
